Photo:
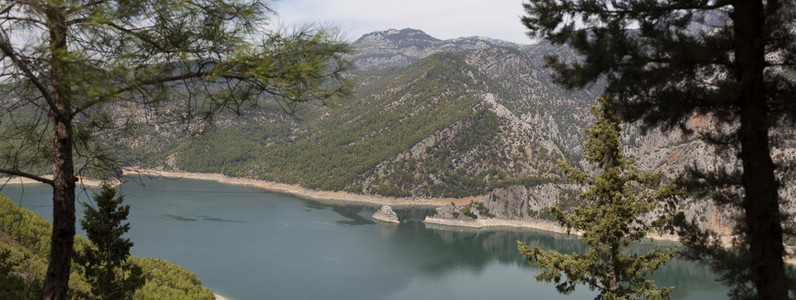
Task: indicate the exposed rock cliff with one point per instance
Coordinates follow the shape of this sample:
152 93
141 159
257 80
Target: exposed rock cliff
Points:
520 202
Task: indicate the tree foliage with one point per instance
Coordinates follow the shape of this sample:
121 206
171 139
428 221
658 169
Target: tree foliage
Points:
616 203
77 73
666 61
105 261
29 234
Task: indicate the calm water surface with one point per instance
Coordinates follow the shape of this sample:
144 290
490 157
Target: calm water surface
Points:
245 243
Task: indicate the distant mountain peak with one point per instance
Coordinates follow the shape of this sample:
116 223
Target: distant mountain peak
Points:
397 48
404 36
409 31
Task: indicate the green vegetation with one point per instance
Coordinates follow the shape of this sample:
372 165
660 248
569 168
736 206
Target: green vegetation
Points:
94 69
526 182
25 237
666 63
105 260
615 203
468 210
337 149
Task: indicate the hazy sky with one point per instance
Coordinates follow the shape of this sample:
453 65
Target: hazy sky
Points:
443 19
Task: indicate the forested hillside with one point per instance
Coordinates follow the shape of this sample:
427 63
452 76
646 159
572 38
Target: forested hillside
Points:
434 128
432 118
25 245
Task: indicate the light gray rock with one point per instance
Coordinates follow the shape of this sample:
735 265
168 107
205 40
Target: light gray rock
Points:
520 202
450 212
399 48
386 214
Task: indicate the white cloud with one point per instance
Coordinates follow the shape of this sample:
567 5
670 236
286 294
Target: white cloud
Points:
443 19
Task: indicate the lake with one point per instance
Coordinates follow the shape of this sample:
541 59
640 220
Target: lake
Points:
245 243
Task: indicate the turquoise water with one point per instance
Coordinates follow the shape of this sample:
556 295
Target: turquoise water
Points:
246 243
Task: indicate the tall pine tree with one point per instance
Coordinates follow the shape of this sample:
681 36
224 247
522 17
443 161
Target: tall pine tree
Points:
105 262
663 62
79 73
616 202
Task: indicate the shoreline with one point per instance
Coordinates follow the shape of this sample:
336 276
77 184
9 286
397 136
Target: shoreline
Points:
344 198
80 181
542 225
219 297
330 197
347 198
498 222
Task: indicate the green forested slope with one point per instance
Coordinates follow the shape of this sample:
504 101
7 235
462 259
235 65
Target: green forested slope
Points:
25 239
364 145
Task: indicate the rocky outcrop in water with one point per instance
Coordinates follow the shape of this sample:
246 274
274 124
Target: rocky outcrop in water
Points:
386 214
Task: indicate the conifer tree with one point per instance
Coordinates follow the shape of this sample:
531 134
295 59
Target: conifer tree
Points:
105 262
616 202
80 73
666 61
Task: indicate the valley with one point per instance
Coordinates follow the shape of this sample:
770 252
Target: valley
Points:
470 118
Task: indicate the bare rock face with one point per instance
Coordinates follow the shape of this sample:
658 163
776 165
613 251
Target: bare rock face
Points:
520 202
386 214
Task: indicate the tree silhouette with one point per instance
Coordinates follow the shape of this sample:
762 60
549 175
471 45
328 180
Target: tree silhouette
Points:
665 61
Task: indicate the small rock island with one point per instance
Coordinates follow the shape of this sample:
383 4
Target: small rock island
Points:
386 214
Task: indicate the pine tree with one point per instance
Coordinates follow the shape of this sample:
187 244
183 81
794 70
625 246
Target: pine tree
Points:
80 73
105 262
665 61
618 199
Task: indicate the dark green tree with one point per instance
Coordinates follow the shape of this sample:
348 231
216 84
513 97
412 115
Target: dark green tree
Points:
105 262
663 62
77 73
616 203
13 285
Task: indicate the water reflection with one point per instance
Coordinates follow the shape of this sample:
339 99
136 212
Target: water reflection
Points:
477 247
179 218
352 214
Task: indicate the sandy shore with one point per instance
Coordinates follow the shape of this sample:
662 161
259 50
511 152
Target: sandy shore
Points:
24 180
533 224
497 222
351 198
321 196
219 297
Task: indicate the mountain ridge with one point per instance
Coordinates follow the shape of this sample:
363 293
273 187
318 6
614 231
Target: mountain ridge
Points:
434 118
395 48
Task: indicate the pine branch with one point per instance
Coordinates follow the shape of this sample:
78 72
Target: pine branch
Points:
7 49
27 175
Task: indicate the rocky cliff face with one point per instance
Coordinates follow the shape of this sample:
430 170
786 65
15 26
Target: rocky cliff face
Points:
528 202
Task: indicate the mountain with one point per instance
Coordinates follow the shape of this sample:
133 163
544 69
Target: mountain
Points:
437 118
433 129
400 48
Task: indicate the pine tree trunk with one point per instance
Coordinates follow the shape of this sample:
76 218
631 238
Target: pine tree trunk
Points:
56 281
612 274
760 203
